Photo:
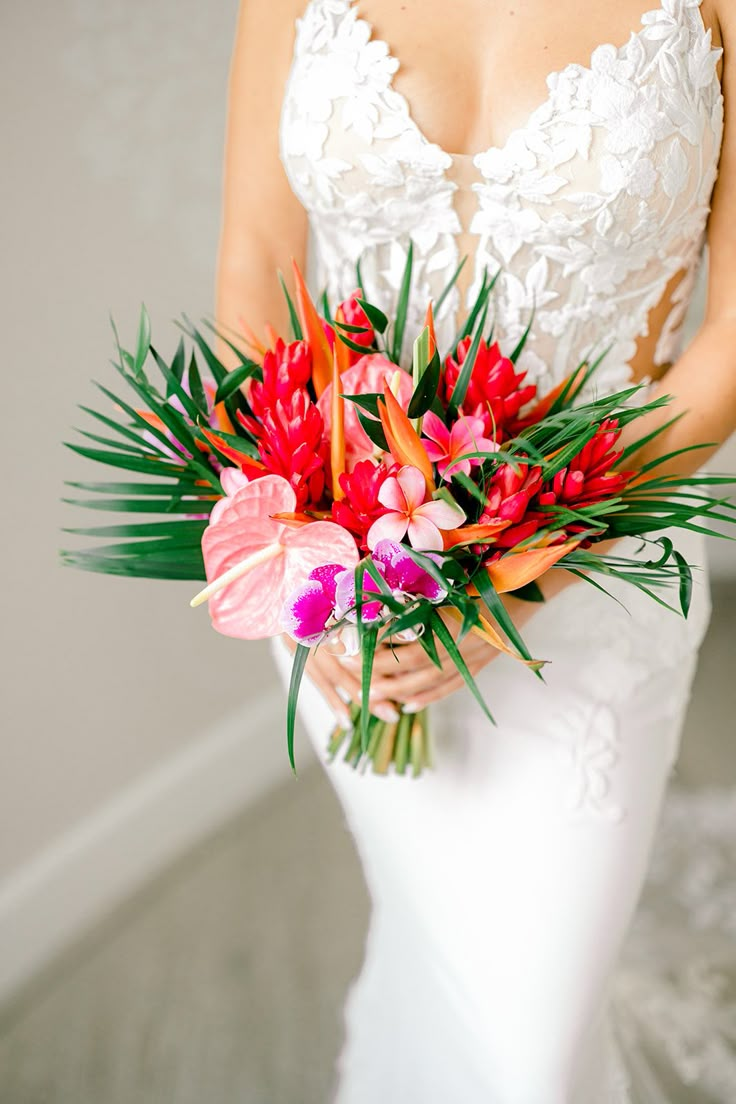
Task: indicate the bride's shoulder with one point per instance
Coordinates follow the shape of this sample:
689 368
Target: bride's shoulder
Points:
264 35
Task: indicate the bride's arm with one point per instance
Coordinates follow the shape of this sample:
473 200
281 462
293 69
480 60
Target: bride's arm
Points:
262 223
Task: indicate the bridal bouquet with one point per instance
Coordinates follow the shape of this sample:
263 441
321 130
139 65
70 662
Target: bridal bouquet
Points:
324 490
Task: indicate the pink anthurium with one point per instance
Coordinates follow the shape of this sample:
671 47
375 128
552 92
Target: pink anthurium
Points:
254 561
445 446
404 495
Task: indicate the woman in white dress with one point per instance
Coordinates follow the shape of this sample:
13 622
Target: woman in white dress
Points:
504 880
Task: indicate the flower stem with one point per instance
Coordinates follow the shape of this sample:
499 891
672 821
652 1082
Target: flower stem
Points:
416 746
337 739
401 754
375 737
427 738
404 743
385 750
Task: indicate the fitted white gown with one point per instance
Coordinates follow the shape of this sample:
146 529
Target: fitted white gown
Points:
505 881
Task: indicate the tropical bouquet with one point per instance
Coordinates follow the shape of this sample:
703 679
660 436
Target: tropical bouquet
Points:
330 488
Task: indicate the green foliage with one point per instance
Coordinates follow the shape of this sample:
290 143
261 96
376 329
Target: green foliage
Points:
425 390
448 287
301 656
160 442
461 386
402 306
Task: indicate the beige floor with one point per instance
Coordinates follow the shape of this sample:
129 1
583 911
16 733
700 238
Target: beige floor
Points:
222 983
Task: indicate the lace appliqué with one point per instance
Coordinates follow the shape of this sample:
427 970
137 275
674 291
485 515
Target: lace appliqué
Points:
589 739
632 655
589 209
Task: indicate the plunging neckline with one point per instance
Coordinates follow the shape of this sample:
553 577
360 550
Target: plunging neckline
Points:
529 125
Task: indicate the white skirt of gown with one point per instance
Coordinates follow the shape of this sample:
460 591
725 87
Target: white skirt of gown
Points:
506 960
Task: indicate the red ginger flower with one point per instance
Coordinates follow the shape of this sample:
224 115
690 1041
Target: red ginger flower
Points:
286 425
286 369
494 392
588 478
509 495
291 444
360 507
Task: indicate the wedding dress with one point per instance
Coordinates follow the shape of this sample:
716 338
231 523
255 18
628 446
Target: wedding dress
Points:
506 962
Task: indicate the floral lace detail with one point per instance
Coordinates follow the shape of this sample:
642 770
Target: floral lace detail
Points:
645 657
590 741
360 166
589 209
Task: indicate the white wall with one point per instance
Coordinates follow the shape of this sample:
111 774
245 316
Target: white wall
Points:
113 122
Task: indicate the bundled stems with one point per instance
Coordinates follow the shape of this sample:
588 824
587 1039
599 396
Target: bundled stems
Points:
402 744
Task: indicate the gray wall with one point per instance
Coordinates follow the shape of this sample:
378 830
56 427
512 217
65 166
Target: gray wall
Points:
113 122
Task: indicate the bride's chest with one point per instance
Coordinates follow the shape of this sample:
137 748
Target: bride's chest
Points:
630 140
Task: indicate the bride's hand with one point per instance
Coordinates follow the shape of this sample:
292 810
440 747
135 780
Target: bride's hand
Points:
406 675
339 683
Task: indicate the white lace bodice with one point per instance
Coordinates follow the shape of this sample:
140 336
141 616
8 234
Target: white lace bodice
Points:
589 208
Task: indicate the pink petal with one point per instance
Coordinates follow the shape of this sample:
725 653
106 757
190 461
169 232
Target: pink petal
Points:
475 425
461 439
366 376
423 534
345 598
391 495
434 451
326 575
308 546
467 436
250 607
233 480
450 468
413 485
388 527
441 514
218 510
434 428
306 612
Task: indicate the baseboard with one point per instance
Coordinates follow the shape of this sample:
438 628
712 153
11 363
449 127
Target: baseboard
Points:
51 901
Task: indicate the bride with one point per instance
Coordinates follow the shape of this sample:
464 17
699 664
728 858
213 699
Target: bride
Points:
582 152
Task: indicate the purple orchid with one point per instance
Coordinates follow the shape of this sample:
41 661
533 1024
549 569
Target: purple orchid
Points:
308 609
345 598
317 608
403 576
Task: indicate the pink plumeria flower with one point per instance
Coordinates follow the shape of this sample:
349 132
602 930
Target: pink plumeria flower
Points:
410 515
444 445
